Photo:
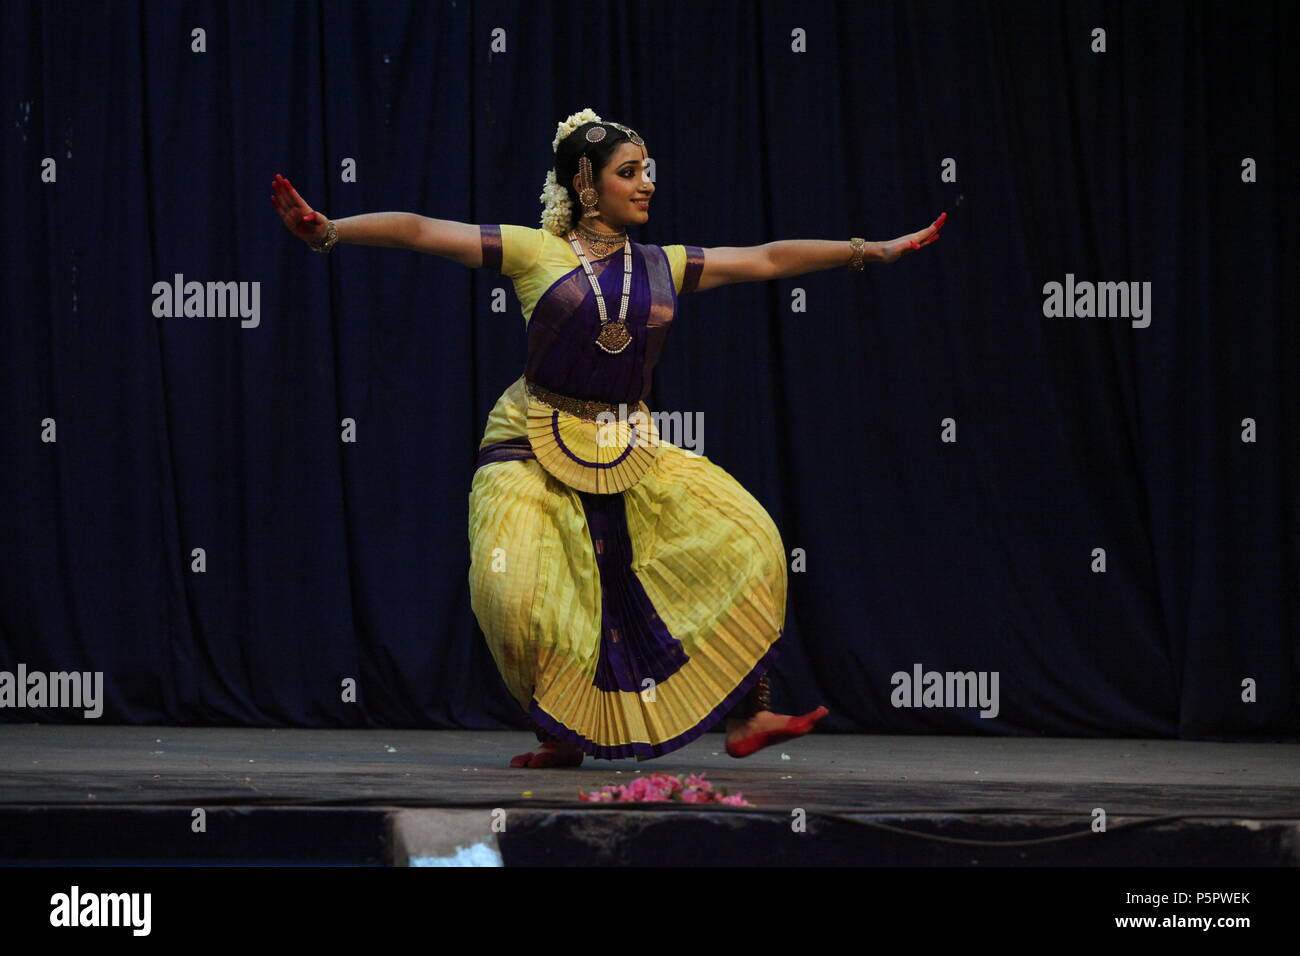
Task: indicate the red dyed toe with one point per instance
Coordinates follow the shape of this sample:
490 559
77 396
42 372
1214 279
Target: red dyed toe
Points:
794 727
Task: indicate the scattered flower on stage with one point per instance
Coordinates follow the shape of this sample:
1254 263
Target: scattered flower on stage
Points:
693 788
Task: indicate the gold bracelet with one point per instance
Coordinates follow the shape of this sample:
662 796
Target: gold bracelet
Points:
331 237
859 252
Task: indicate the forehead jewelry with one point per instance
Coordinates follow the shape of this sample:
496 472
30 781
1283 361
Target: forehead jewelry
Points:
586 179
597 133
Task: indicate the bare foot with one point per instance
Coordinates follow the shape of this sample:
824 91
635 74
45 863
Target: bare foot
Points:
552 753
766 728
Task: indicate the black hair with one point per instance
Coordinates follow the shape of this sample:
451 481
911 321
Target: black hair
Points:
573 147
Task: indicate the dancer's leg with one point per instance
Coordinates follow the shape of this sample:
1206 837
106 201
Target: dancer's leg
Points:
550 752
752 725
758 699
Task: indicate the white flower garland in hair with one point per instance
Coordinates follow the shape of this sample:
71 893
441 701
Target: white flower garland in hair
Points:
557 208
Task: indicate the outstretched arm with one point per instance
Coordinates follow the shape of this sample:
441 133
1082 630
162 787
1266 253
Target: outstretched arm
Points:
458 241
724 265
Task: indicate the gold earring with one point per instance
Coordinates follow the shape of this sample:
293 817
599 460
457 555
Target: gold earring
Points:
587 194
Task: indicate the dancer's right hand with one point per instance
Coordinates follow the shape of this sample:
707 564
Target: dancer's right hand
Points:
895 249
299 218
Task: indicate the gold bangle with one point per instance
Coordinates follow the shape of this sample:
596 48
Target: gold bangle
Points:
859 253
326 244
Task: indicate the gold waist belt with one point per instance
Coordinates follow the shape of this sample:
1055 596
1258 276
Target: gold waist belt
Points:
584 408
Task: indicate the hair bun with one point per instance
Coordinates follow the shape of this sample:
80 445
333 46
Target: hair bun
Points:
567 126
557 207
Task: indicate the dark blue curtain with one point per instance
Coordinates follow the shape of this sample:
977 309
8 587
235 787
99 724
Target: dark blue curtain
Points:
329 560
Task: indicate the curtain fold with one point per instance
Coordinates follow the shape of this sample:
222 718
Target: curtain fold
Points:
259 516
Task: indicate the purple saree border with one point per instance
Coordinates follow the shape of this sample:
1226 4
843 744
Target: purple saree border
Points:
647 751
663 309
490 238
559 302
509 449
647 648
694 266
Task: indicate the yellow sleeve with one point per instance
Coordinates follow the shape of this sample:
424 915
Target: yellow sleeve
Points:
510 250
686 263
677 263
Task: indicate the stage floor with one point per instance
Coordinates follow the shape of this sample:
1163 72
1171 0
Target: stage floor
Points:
988 782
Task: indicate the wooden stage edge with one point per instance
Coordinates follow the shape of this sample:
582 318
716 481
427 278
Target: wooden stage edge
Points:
87 794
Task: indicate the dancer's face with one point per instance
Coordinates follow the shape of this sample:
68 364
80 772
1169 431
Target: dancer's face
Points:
624 187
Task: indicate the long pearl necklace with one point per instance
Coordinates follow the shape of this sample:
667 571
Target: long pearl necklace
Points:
614 336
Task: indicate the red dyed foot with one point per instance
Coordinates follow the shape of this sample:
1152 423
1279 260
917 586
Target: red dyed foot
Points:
550 754
765 729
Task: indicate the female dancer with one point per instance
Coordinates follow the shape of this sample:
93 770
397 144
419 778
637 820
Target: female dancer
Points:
631 591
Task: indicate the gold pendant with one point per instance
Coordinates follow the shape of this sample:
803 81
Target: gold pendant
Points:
602 249
601 244
614 337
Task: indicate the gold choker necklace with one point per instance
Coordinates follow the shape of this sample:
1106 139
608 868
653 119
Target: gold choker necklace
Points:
602 243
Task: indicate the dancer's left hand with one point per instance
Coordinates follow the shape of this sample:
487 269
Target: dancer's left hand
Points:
895 249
